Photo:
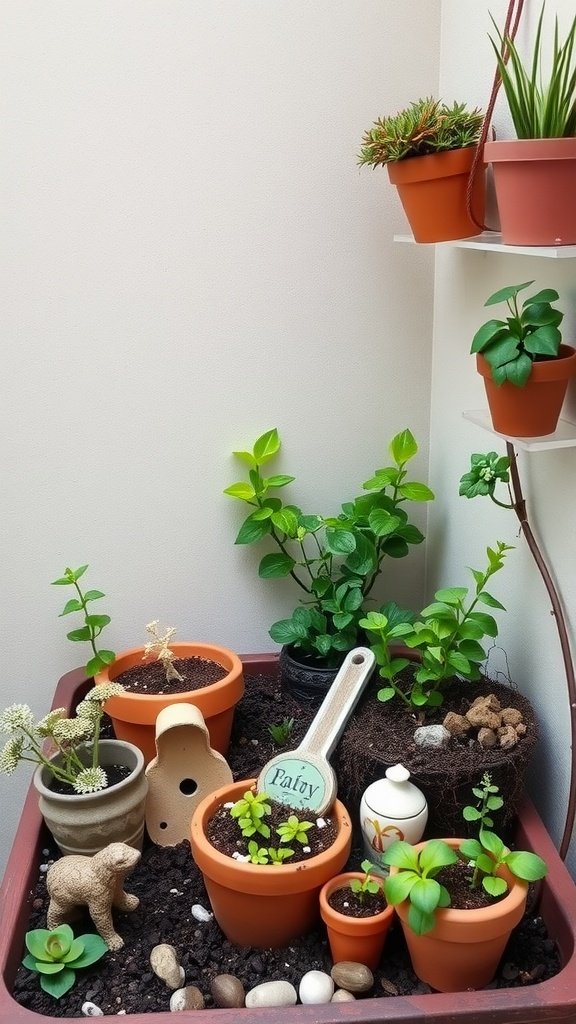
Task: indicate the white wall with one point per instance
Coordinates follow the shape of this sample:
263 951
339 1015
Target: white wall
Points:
191 256
459 529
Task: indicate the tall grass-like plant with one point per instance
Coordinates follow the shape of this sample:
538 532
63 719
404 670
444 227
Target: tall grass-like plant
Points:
540 109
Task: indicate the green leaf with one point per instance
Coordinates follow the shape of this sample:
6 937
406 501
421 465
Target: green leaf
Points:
286 520
266 446
451 595
264 512
471 814
79 635
94 665
59 984
285 631
487 599
490 332
97 621
275 566
382 478
403 447
397 887
385 694
55 967
401 855
73 605
29 963
311 523
363 560
36 942
485 622
340 542
246 457
518 371
472 650
527 866
107 657
507 293
470 848
93 595
252 530
491 842
74 952
494 885
383 522
419 922
94 948
242 490
425 895
546 295
437 854
281 480
544 342
416 492
395 547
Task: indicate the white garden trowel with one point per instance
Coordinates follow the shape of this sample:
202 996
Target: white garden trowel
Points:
303 778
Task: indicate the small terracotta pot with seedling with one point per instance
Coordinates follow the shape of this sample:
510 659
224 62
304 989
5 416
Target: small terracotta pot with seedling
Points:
357 917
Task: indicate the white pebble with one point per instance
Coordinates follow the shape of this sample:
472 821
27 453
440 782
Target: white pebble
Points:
321 822
200 913
43 869
175 892
228 805
316 987
45 853
91 1010
272 993
342 996
306 849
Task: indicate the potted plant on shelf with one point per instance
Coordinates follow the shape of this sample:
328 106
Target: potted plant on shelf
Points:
335 561
534 173
525 366
430 149
458 900
206 675
357 916
262 893
91 791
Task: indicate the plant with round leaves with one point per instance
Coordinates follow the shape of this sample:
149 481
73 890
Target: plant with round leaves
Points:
530 334
56 956
334 560
415 880
93 623
250 811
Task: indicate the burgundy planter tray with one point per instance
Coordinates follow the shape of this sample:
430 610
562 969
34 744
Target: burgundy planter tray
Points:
542 1003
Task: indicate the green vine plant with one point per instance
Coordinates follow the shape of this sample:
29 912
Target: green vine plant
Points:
93 624
159 645
335 560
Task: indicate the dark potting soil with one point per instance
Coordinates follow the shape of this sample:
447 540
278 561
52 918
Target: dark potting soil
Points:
151 676
456 878
353 904
169 884
224 833
114 773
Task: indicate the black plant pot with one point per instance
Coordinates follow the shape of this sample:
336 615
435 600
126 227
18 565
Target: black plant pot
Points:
307 680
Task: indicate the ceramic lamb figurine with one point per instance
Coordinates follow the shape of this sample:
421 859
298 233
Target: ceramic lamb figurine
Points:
95 882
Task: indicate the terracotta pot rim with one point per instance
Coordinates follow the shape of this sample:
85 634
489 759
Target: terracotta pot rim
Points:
563 366
222 694
511 150
433 165
352 925
104 745
256 878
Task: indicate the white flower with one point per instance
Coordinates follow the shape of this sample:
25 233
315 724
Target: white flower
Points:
90 780
46 724
72 730
100 694
10 755
17 716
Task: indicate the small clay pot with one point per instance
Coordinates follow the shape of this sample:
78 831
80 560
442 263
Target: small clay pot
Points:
357 939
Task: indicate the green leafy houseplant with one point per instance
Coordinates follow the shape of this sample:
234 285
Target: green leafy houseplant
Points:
67 735
425 126
93 623
529 334
447 633
417 869
542 106
334 560
56 956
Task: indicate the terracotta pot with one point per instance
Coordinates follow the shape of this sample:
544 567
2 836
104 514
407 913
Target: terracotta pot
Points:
264 905
534 410
463 949
85 823
432 190
534 183
359 939
134 714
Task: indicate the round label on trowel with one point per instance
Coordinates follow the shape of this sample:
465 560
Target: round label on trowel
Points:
302 781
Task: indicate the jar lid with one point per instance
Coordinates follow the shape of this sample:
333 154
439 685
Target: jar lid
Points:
394 796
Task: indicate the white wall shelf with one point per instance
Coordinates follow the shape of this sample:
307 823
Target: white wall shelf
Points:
563 437
491 241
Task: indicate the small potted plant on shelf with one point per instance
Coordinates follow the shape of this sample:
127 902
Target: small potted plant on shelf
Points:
334 561
525 366
430 148
458 900
534 173
357 916
91 791
160 673
264 876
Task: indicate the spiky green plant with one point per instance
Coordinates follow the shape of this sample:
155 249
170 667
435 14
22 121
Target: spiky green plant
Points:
540 108
426 126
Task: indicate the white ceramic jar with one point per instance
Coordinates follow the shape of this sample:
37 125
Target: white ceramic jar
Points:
391 808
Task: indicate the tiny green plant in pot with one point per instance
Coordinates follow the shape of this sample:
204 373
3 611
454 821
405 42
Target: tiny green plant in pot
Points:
91 791
457 947
334 561
534 173
356 915
56 956
525 366
429 149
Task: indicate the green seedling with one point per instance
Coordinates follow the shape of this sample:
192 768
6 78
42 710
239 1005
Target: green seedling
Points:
367 885
281 732
249 812
293 830
56 955
416 881
93 624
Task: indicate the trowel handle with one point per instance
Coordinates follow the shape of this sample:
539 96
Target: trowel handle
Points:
339 702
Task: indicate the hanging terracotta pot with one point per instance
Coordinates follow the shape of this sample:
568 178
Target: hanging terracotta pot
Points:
534 410
85 823
464 948
432 190
134 714
534 183
358 939
264 905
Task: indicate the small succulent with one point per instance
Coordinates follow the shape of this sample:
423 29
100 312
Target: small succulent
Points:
56 956
426 126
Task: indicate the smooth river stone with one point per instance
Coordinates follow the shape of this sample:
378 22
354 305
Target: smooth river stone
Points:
272 993
353 977
316 987
189 998
227 991
342 996
164 963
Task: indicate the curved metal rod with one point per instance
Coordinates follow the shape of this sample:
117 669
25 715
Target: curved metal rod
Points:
519 506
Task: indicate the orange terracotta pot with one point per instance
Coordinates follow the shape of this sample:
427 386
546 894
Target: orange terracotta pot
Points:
534 183
432 190
134 715
264 905
534 410
464 948
359 939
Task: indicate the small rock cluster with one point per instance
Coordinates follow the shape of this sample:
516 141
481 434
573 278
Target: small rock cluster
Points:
488 722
